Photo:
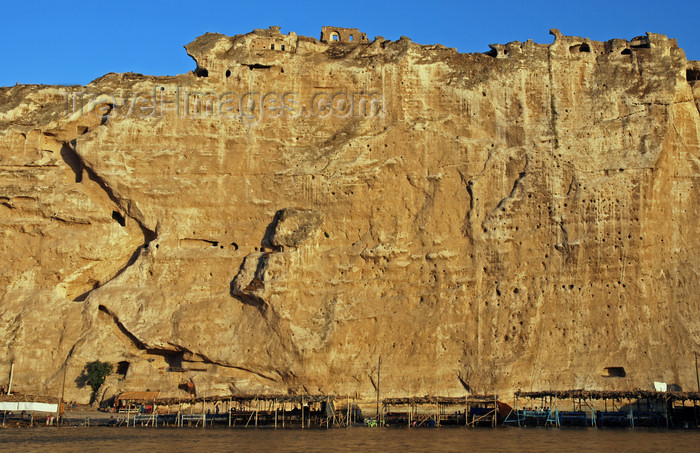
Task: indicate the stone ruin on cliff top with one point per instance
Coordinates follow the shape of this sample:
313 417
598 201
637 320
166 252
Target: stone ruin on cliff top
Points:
293 209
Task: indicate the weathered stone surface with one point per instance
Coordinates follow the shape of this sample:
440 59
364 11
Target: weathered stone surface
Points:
514 220
293 227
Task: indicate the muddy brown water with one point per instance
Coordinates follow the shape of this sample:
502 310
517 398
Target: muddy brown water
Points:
353 439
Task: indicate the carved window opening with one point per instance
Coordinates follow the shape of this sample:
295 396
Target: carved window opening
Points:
228 73
283 47
626 52
335 36
201 72
351 38
272 46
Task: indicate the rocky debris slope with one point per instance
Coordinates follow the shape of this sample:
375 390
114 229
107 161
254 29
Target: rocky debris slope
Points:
292 210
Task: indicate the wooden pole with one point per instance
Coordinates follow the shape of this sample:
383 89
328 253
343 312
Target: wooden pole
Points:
275 413
302 413
495 410
466 412
228 406
204 414
352 412
697 376
379 368
12 374
63 391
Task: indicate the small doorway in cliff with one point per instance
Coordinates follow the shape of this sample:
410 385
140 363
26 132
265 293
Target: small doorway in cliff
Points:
614 371
692 75
174 359
122 369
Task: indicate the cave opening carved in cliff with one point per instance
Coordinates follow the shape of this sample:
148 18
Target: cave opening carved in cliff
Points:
692 75
580 48
614 371
122 369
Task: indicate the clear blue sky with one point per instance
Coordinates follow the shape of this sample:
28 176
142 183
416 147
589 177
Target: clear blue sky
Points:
74 42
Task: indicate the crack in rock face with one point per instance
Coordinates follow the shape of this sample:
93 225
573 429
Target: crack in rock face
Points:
524 218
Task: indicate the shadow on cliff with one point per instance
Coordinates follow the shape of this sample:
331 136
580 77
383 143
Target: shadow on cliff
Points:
246 294
76 164
72 160
270 231
244 298
290 227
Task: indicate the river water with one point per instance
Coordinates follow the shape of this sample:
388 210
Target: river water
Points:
56 440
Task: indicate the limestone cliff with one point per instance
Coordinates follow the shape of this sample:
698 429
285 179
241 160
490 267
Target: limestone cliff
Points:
293 209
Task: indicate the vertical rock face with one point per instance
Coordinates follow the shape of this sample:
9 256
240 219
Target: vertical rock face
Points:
293 209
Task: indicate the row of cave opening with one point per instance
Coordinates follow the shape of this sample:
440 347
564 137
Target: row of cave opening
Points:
123 367
201 72
586 48
121 220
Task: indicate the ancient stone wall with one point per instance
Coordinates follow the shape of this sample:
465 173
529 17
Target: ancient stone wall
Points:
344 35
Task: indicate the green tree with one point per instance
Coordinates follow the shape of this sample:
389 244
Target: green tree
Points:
95 374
